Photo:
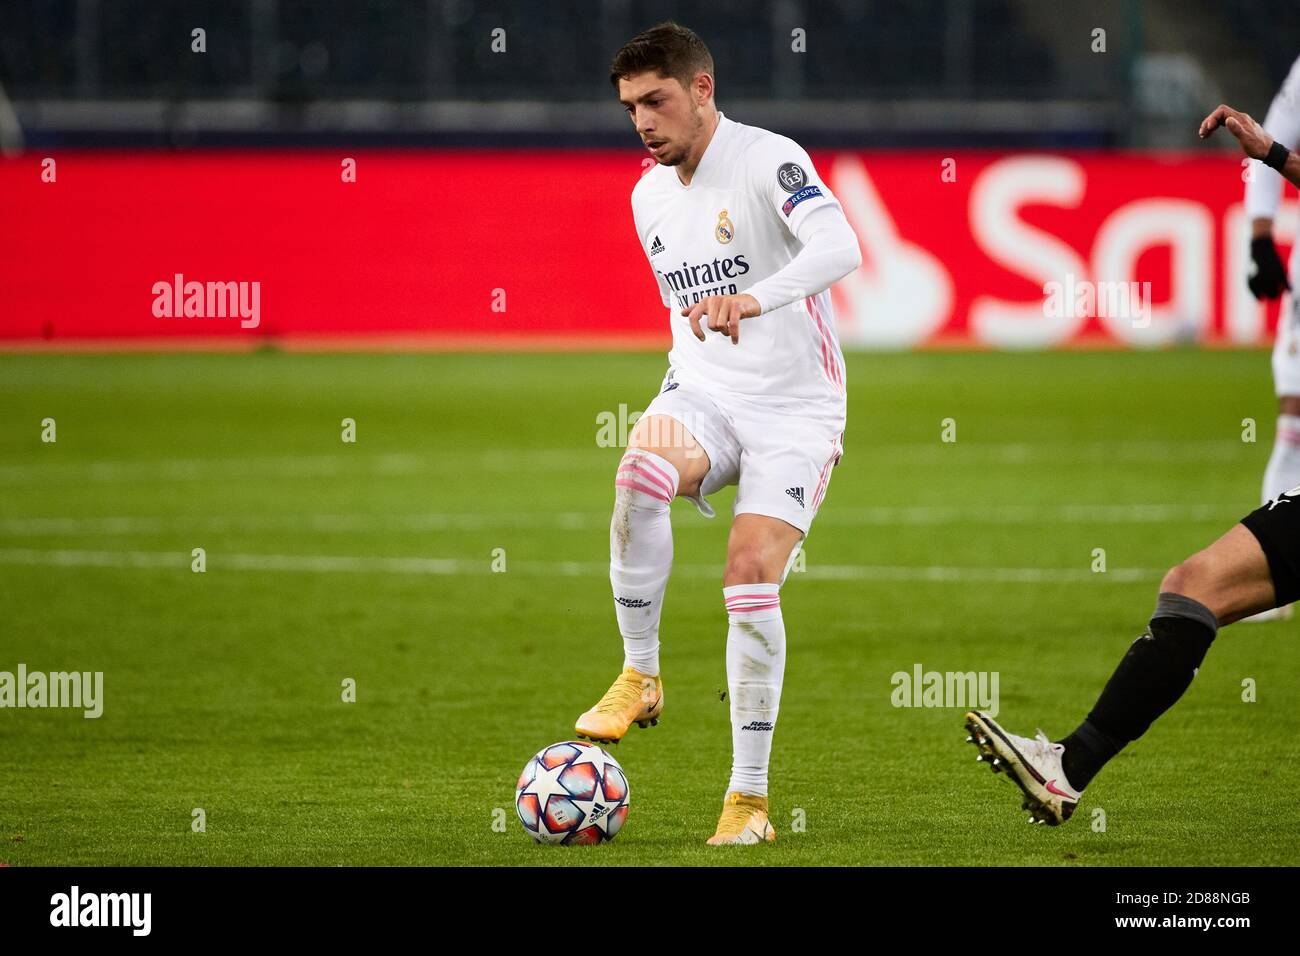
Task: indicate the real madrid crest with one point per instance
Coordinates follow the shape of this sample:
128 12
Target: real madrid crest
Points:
725 230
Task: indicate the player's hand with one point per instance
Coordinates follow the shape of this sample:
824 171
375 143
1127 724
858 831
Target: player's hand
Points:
724 313
1252 137
1270 275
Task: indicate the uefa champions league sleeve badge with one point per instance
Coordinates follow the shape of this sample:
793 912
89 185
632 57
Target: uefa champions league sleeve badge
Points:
791 177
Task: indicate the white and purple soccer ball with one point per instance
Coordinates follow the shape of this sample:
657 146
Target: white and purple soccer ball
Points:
572 792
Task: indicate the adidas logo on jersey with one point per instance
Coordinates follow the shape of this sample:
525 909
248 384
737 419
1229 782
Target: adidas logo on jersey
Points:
656 247
796 494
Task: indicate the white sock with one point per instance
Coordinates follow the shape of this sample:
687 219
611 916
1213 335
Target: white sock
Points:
755 670
1283 471
641 553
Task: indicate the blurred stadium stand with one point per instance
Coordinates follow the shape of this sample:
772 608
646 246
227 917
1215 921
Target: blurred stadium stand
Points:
421 72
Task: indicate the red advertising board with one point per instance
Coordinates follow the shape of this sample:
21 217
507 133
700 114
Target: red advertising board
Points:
520 248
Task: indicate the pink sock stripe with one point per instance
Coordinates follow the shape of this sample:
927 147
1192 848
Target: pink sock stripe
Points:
655 493
669 480
641 461
1288 436
756 607
640 464
634 473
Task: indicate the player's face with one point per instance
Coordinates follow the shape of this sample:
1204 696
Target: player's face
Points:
666 115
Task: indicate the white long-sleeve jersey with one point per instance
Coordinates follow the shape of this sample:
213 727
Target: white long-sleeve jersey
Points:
756 218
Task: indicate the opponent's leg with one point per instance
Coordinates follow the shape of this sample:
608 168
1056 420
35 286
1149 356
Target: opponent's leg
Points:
758 554
1211 589
1225 582
662 460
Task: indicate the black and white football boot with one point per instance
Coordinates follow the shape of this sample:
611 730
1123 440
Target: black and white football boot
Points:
1034 763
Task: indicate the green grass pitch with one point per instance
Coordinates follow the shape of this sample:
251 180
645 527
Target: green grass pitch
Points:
373 561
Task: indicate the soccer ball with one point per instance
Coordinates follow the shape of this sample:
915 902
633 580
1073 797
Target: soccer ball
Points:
572 792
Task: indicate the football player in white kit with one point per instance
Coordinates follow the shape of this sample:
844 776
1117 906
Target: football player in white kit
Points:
1263 194
744 240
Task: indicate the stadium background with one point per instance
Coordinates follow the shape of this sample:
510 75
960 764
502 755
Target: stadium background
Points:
1068 151
1031 546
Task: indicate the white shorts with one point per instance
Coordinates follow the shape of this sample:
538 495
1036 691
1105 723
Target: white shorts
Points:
781 461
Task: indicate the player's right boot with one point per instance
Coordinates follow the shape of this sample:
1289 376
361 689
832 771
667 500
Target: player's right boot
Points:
634 698
1033 763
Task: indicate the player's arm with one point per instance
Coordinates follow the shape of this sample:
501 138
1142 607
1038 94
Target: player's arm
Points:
784 176
1254 141
830 252
1264 192
782 173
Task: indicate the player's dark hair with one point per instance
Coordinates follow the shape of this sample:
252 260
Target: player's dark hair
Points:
669 49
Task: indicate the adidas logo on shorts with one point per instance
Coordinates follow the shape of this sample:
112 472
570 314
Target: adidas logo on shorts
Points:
796 494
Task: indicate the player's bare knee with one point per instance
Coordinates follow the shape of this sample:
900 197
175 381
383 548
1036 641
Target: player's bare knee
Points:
666 437
745 565
1174 580
1193 578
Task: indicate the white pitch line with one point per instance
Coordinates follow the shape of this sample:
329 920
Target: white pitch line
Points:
882 516
295 466
320 523
1028 453
585 458
317 564
1030 514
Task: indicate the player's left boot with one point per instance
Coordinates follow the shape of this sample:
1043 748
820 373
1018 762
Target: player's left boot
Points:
1033 763
744 820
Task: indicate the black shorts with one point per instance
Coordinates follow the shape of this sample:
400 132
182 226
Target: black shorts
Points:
1276 525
